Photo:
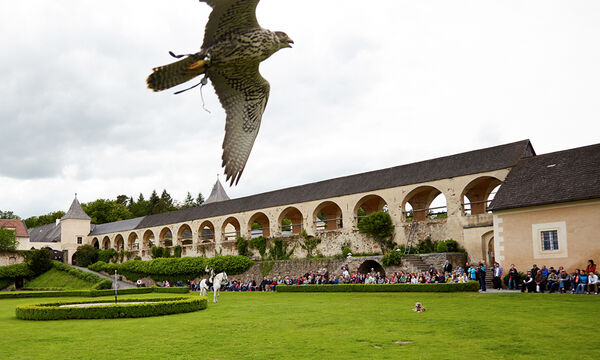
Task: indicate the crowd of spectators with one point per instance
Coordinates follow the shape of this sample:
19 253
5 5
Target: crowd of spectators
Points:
559 280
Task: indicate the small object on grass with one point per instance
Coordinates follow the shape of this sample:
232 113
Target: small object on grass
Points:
419 308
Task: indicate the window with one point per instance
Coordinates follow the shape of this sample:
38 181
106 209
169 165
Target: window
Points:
549 240
79 240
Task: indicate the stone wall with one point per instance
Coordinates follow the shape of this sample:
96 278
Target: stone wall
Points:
10 258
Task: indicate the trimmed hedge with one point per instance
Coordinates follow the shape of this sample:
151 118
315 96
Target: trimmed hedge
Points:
91 293
469 286
15 271
100 282
150 307
174 269
4 283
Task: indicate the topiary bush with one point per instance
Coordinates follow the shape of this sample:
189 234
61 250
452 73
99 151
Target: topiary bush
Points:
441 247
148 307
394 257
92 293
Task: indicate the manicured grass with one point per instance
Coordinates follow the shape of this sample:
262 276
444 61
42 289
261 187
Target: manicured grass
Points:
54 278
324 326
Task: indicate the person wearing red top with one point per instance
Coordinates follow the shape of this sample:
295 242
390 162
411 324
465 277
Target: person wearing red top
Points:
591 267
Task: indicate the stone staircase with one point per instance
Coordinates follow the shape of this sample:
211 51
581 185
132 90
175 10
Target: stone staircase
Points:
414 263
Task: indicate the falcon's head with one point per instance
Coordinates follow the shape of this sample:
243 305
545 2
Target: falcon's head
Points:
284 39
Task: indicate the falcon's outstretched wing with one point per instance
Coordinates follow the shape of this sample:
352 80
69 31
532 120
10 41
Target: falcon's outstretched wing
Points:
243 93
229 16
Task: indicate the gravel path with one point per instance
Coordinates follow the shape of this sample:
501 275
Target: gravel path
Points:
122 284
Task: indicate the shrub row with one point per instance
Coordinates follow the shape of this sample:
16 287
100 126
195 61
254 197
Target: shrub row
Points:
175 268
91 293
4 283
150 307
15 271
469 286
100 282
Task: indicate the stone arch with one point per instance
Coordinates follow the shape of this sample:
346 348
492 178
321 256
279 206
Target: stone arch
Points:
424 202
133 243
295 217
105 243
185 235
261 219
96 243
206 232
476 195
165 237
367 265
231 228
148 239
369 204
73 258
487 248
331 216
119 243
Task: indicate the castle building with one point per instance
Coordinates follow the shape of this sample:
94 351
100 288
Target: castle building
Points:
450 197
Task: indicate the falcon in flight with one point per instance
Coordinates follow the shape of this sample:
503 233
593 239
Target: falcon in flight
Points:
234 45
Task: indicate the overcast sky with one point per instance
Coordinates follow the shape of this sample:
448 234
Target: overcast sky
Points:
368 85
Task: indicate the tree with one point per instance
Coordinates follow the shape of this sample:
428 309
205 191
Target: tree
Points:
8 240
309 243
86 255
104 211
152 206
378 225
38 260
122 199
199 199
35 221
286 224
189 201
140 207
8 215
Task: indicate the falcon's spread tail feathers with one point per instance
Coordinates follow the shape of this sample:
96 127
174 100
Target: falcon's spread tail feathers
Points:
167 76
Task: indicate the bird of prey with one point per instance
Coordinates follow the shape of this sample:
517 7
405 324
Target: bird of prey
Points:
234 45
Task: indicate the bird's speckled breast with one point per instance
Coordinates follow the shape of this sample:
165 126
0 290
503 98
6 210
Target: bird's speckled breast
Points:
239 49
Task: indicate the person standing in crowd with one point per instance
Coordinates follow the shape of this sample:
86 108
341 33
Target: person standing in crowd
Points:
513 274
497 276
591 267
472 273
481 275
447 267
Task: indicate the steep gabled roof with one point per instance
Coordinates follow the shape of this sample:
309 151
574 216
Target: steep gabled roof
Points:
116 226
75 211
18 225
217 194
558 177
45 233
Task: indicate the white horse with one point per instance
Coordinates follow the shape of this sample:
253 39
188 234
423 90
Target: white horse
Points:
220 279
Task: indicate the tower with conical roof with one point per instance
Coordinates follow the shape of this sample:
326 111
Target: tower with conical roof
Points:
217 193
74 229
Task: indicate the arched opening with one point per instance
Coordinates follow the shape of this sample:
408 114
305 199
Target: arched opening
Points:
73 259
478 194
106 243
327 216
132 242
184 235
166 237
148 241
423 203
371 266
259 225
230 229
96 243
119 242
206 232
290 221
368 205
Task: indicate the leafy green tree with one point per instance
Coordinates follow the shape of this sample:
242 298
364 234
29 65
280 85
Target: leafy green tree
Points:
379 226
286 224
86 255
199 199
8 215
309 243
256 226
38 260
35 221
122 199
104 211
189 201
153 204
140 207
8 240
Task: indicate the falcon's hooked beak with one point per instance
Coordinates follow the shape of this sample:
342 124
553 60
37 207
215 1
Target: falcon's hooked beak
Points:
289 42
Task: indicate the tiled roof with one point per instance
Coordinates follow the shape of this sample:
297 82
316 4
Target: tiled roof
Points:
18 225
75 211
217 194
472 162
558 177
116 226
45 233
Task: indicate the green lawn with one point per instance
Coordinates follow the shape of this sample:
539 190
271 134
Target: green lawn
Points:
54 278
324 326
